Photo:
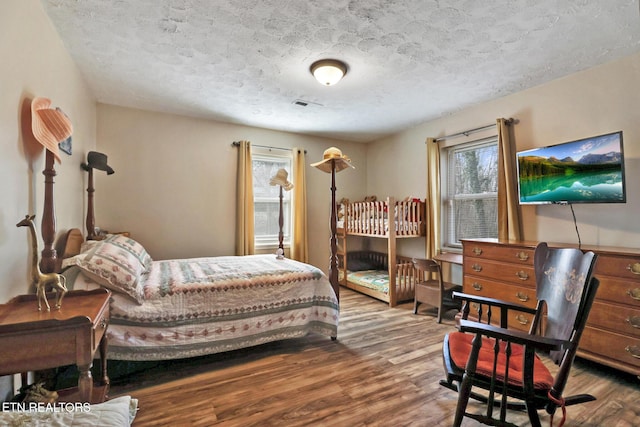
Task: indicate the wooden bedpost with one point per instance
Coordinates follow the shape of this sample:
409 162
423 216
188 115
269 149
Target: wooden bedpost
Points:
48 224
91 221
392 261
95 160
281 223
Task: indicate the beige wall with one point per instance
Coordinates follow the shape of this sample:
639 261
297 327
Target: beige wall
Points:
174 186
175 183
35 63
596 101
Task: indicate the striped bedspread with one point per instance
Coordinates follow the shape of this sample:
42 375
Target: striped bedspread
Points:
202 306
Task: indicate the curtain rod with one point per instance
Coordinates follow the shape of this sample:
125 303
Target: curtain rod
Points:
237 144
474 130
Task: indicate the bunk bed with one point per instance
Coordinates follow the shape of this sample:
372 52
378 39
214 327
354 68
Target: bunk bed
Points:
385 276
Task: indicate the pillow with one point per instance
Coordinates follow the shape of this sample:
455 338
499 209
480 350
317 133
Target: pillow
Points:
115 263
133 247
124 242
87 245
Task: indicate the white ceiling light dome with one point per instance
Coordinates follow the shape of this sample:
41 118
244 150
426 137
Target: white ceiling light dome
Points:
328 71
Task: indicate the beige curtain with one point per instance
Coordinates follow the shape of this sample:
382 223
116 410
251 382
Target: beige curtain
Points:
509 217
299 240
433 198
244 202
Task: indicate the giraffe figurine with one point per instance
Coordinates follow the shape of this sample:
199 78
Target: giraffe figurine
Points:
39 279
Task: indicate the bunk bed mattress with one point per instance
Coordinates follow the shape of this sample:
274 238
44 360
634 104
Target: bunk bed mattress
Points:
372 279
201 306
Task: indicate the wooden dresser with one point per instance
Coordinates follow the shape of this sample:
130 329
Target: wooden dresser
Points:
504 270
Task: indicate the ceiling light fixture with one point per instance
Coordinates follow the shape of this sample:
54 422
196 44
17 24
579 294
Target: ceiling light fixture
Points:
328 71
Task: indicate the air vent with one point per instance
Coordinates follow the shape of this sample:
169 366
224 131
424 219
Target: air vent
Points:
303 103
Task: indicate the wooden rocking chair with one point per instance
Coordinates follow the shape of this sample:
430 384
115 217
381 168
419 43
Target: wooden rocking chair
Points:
503 361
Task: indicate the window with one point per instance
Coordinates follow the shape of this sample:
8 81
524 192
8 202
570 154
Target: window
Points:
266 197
470 193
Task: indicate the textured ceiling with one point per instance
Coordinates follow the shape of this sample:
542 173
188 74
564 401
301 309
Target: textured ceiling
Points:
410 61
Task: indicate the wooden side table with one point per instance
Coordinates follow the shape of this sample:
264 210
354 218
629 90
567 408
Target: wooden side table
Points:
32 340
449 257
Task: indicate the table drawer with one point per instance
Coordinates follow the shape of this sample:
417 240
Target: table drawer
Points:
520 275
624 320
619 348
99 328
509 254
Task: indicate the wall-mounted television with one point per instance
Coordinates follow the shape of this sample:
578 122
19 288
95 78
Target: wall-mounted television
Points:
589 170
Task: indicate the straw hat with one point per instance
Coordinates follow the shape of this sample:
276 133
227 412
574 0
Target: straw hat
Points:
280 178
333 153
50 126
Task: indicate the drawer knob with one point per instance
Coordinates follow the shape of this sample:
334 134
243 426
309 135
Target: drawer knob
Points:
522 256
521 319
103 323
634 268
522 275
477 286
634 350
522 296
634 321
477 268
477 251
634 293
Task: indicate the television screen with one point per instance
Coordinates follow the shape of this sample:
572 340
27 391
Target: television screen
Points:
589 170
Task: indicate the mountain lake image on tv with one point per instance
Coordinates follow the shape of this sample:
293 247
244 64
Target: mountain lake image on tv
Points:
589 170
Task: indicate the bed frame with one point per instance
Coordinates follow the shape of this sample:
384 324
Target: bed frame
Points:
386 219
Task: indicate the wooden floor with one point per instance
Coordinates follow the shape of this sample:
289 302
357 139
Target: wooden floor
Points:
382 371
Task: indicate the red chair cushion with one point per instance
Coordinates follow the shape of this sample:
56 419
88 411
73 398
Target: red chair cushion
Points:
460 347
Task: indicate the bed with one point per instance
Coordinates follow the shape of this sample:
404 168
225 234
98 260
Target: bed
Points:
386 276
170 309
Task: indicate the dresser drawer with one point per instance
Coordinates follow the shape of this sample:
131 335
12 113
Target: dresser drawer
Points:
509 254
617 349
519 275
618 290
488 288
623 320
619 266
500 291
